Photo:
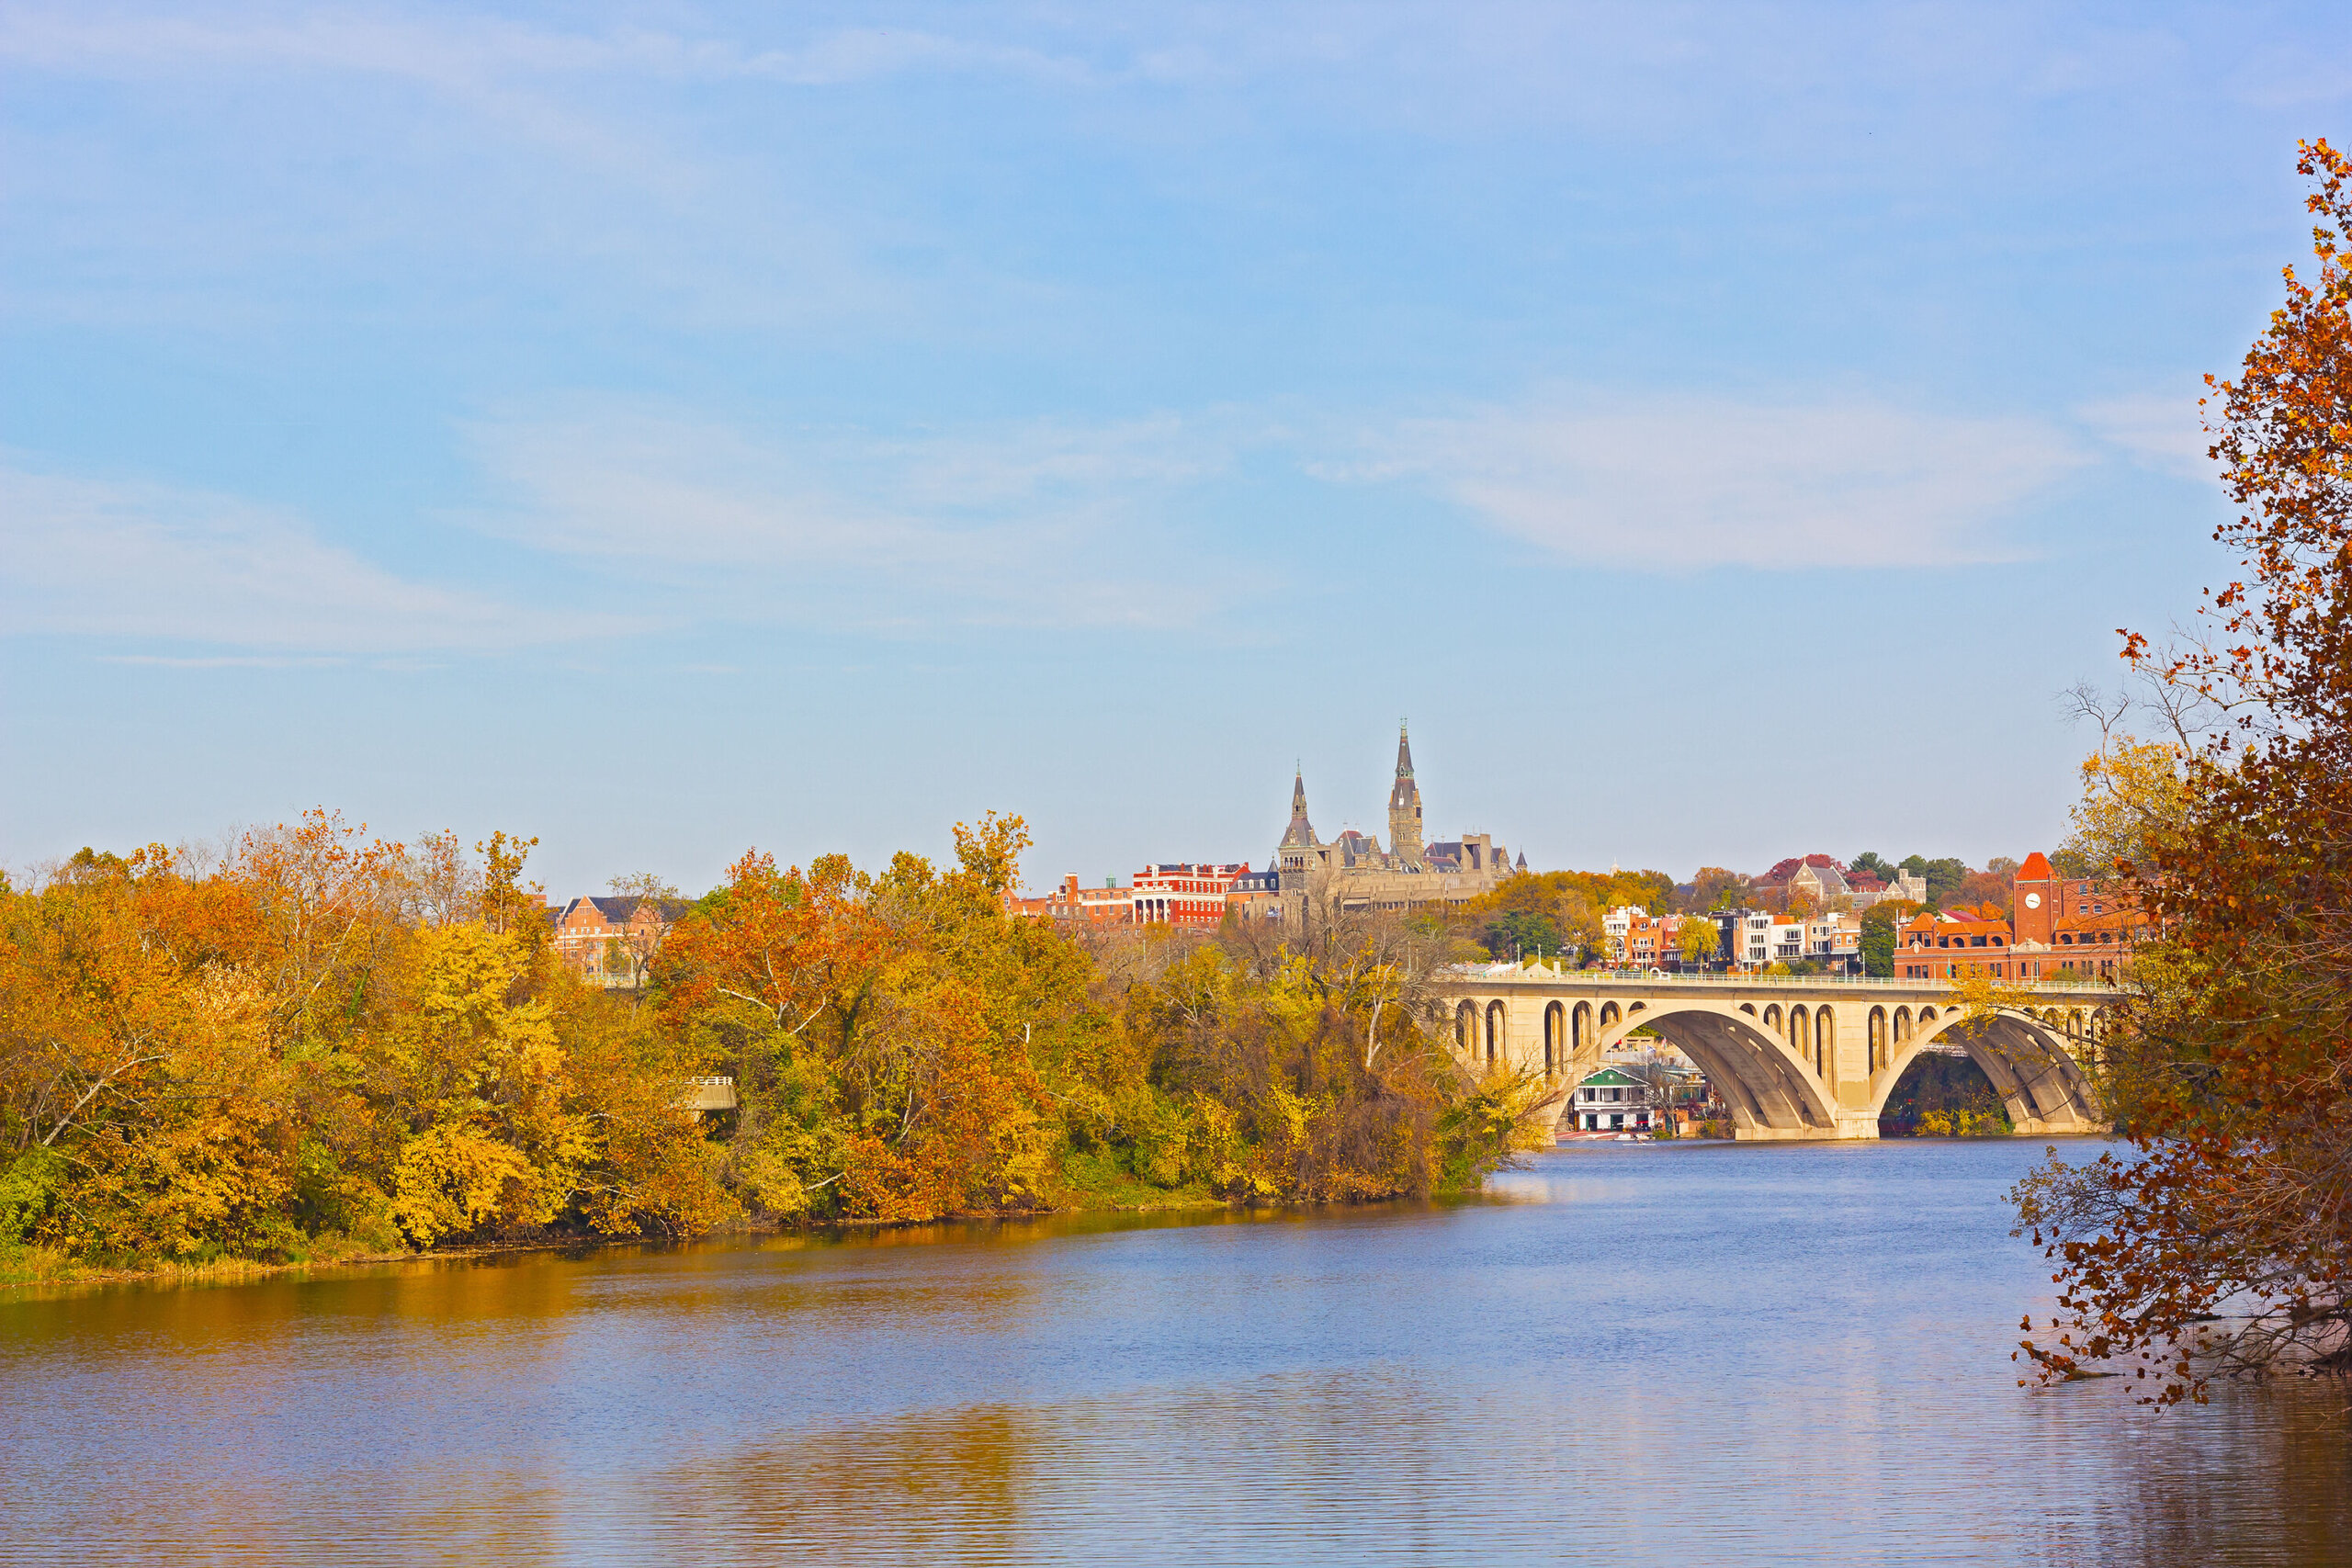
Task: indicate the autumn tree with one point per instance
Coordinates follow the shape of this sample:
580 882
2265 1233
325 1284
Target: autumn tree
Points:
2135 794
293 1052
640 937
1991 888
1560 911
1320 1069
1716 888
507 904
2227 1244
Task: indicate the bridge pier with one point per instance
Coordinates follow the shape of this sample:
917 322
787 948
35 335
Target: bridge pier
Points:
1843 1129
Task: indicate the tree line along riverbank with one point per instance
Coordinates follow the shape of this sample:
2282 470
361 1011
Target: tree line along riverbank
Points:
316 1046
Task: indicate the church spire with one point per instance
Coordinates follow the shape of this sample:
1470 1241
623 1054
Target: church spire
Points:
1301 833
1404 752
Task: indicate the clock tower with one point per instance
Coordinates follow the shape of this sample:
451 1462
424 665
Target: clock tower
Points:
2035 914
1405 809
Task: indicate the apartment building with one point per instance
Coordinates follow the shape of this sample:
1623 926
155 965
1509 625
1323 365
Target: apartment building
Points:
1190 893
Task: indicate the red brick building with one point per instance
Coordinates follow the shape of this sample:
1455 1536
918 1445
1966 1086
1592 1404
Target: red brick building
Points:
1943 945
2074 925
1070 904
614 940
2064 928
1183 895
1162 893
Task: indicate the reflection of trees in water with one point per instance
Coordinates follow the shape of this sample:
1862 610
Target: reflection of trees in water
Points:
1355 1463
2262 1474
1346 1461
946 1486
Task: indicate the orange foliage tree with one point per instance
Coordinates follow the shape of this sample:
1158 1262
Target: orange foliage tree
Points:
883 1032
2227 1244
327 1044
299 1050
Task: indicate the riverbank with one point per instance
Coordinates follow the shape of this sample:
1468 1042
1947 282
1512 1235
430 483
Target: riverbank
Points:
30 1266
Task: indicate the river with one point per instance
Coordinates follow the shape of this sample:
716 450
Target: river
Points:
1625 1353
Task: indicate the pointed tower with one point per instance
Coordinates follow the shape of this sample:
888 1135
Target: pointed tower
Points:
1405 808
1295 854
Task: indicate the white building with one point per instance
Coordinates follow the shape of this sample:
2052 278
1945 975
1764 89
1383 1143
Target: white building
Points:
1754 938
1612 1100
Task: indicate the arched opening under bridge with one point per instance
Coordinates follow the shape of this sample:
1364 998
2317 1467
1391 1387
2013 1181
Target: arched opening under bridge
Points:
2030 1065
1769 1086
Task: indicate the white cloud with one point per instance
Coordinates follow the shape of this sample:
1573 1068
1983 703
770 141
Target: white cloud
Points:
2161 430
1673 484
146 561
463 53
1041 523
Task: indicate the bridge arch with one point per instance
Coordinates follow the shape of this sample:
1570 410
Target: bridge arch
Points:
2024 1056
1771 1088
1795 1061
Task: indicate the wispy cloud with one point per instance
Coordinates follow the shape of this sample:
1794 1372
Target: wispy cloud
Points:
462 53
1672 484
224 662
1114 525
2160 430
1043 522
146 561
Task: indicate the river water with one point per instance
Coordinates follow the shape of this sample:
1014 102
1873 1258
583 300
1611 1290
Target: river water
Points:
1626 1354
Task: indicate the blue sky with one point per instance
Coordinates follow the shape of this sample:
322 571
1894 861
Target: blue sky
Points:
1722 430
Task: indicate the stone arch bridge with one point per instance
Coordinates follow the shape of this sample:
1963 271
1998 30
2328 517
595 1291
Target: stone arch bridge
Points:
1798 1057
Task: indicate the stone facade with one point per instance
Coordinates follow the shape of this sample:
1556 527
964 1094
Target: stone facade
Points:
1352 872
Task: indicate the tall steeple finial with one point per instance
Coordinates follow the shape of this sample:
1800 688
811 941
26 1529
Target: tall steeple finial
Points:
1404 752
1301 832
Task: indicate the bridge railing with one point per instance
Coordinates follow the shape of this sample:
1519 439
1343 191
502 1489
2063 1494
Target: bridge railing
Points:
1470 973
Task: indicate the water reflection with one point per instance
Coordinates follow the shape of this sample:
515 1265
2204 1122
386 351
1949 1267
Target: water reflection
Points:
1631 1354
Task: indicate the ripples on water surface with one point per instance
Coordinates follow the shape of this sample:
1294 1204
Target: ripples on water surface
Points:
1634 1354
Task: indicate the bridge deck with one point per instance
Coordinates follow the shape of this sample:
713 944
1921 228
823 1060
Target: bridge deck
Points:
1481 976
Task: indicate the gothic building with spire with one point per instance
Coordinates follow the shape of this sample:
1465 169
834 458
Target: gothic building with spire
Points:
1352 872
